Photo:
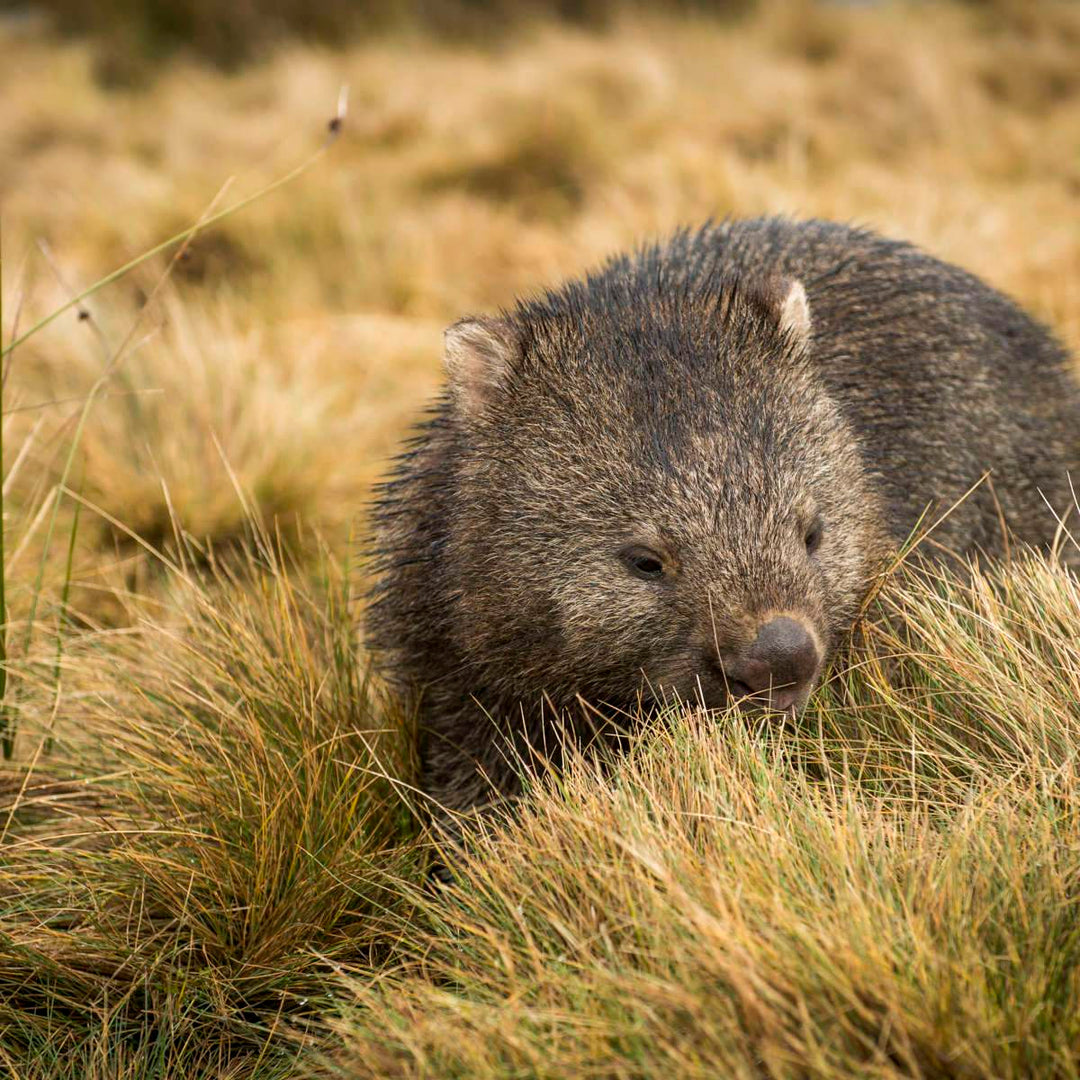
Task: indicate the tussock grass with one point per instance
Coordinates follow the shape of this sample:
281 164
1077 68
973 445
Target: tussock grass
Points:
971 677
221 823
218 871
200 400
748 902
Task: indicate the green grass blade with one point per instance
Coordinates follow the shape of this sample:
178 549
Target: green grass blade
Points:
65 594
6 732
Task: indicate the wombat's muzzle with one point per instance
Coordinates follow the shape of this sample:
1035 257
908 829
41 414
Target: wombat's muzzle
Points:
778 668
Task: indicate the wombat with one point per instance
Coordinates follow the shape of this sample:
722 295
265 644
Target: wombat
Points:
680 475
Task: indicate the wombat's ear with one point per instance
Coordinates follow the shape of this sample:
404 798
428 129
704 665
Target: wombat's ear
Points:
794 310
478 353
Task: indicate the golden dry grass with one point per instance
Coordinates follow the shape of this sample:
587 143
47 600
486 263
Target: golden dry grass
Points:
216 855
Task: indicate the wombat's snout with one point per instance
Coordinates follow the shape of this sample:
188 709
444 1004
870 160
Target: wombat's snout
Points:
778 667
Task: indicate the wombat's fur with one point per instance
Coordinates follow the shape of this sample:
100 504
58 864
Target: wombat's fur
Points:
764 448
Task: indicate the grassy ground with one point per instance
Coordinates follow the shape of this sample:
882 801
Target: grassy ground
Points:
209 859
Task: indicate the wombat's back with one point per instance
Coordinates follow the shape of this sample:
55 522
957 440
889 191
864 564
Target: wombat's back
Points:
944 378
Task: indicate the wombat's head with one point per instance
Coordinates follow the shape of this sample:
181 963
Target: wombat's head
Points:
654 495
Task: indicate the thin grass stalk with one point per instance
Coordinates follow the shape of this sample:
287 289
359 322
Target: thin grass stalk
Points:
64 595
6 728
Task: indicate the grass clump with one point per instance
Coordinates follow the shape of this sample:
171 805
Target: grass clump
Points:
220 824
218 872
541 167
199 408
973 678
760 901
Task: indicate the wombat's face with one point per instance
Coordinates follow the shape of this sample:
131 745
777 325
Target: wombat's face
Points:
654 503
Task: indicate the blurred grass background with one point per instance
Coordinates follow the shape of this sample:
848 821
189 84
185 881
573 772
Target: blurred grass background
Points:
131 33
474 166
207 839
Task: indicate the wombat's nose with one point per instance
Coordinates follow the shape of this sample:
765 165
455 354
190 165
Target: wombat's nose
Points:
781 662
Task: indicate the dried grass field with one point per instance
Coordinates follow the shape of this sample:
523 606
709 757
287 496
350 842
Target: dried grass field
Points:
211 860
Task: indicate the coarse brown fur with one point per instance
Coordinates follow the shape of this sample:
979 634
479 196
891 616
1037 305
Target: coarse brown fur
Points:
672 401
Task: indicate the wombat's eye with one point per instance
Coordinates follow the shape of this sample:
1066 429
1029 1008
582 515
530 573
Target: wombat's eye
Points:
643 563
813 535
